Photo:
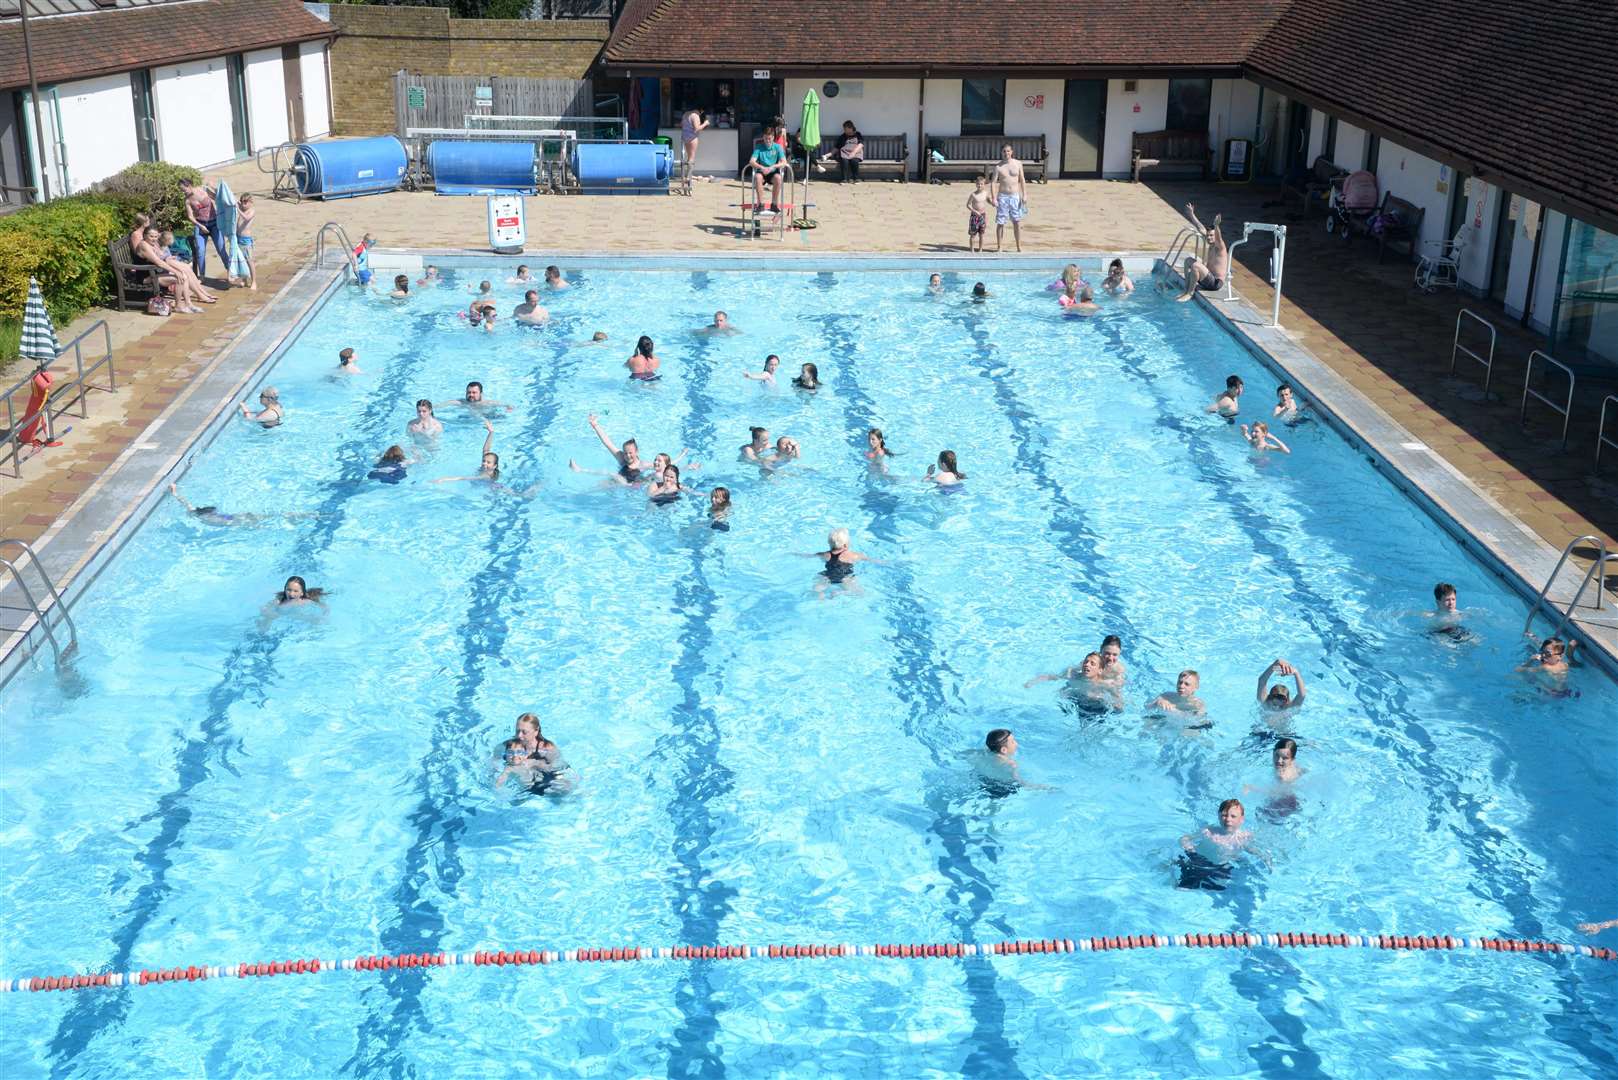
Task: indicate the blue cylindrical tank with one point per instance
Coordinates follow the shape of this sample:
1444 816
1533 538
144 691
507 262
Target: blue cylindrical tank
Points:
339 168
622 168
483 168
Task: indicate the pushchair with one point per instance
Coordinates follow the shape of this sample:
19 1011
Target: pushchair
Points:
1352 202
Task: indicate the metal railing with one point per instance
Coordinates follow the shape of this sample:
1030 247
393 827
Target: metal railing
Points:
283 173
1601 431
342 238
1528 391
61 398
1458 350
1278 258
1539 601
15 565
1176 247
751 226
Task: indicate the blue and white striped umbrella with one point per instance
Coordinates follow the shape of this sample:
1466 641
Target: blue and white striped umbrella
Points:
38 333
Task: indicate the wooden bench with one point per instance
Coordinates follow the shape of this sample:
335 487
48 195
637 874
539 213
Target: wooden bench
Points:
1314 184
978 154
136 282
881 151
1148 149
1399 219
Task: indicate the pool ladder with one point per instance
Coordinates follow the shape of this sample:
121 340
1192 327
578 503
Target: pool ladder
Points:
1597 572
14 563
342 238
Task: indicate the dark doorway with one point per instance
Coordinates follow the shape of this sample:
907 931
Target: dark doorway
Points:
1297 138
292 75
236 74
1084 119
1459 183
1505 235
145 115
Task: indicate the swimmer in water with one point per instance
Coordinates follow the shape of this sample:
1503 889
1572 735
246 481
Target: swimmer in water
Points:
1275 698
429 277
1550 664
474 400
1183 700
401 287
489 470
212 515
808 378
1087 687
665 487
720 325
839 559
270 414
643 362
297 593
876 450
1112 660
554 279
531 313
1210 851
1286 405
1070 279
786 452
1445 618
1226 403
1597 927
631 469
523 276
348 363
390 468
1258 436
935 284
1001 774
481 313
519 764
1117 282
544 765
980 293
1283 800
425 425
771 363
719 509
1080 301
754 451
946 473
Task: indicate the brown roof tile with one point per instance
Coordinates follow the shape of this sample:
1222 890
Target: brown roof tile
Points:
938 34
1513 88
81 46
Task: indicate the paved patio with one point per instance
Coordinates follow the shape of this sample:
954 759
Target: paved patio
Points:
1364 320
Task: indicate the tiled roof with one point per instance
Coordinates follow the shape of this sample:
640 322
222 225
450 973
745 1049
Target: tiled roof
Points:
938 34
80 46
1513 87
39 9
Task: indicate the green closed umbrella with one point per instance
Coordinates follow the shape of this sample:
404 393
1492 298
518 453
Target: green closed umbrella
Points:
809 135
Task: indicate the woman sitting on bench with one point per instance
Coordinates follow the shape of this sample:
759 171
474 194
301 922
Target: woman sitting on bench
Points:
178 276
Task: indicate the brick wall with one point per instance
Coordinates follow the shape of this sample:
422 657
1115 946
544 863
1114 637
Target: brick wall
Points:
376 42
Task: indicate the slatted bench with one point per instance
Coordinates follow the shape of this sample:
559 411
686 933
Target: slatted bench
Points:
1400 219
1150 149
979 154
136 282
882 151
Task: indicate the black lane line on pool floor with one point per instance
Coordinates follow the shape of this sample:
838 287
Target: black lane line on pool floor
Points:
1343 639
916 681
416 924
248 671
700 902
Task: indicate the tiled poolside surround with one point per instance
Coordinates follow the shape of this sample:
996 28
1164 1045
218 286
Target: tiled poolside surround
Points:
1362 320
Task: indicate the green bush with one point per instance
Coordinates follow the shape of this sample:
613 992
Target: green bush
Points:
64 245
157 185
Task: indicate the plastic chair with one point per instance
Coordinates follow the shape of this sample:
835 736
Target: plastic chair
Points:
1440 267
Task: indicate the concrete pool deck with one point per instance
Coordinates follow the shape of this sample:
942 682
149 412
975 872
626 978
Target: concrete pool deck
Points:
1362 324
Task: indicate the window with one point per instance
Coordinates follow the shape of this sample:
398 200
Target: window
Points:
1373 150
1328 149
983 106
1188 104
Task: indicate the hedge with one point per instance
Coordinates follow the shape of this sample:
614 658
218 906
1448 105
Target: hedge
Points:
157 185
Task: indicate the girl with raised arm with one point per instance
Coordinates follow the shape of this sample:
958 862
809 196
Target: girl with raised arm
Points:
631 469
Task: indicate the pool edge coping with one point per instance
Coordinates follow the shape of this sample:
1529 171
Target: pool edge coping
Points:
99 523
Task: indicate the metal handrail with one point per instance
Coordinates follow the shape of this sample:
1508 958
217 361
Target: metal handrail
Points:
285 176
1177 246
1539 601
1528 391
76 386
1601 431
787 180
1597 571
1458 349
50 588
342 238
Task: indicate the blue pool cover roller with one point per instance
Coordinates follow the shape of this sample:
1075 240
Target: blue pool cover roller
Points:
622 168
339 168
483 168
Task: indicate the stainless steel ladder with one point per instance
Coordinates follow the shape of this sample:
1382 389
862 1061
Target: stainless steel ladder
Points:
1597 572
1172 253
14 565
342 238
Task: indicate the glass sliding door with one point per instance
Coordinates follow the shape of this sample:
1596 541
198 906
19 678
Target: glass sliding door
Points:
1084 112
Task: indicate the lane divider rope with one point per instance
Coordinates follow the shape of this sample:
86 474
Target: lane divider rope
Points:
949 950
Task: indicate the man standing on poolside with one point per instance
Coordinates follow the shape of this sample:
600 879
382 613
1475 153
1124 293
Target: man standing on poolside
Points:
1010 197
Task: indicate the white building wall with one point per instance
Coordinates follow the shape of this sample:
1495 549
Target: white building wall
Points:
1317 134
266 97
316 101
193 112
1482 218
1415 178
1550 271
1350 152
877 106
1034 107
98 123
1522 256
1145 109
941 109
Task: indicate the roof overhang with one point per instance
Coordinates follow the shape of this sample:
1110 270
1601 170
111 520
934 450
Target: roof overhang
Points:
915 71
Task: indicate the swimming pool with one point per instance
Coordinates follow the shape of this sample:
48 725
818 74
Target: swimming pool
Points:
757 764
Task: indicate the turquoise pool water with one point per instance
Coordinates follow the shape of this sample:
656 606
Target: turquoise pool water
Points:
755 763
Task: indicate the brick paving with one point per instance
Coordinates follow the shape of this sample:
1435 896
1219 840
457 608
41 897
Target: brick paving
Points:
1364 320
